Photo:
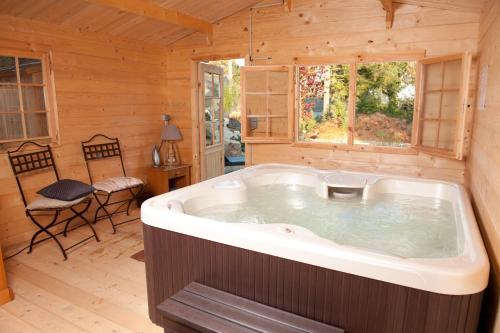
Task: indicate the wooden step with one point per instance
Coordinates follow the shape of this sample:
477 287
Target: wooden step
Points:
205 309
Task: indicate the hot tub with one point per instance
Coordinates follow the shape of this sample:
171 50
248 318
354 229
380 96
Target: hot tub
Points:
364 252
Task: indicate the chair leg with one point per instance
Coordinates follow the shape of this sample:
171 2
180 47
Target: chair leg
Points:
45 229
134 197
80 215
102 206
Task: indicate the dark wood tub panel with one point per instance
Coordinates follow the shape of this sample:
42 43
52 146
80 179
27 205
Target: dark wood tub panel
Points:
354 303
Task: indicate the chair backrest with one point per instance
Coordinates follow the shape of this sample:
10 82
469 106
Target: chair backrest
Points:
23 161
101 147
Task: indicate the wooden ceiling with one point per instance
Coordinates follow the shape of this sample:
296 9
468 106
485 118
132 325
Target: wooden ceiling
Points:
91 16
166 21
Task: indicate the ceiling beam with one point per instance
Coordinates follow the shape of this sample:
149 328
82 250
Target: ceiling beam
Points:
457 5
389 12
148 9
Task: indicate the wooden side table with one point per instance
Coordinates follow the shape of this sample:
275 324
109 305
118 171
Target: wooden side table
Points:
165 179
5 291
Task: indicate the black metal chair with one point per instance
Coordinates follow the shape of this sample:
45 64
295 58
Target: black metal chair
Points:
101 147
25 162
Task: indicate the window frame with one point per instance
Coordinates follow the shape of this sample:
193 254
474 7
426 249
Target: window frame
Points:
45 56
353 63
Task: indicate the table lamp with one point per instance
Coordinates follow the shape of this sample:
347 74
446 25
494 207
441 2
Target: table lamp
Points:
170 134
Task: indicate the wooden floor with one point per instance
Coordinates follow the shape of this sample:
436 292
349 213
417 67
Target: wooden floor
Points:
98 289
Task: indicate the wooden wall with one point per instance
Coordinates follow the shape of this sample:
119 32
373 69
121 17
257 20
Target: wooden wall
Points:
483 167
102 86
326 28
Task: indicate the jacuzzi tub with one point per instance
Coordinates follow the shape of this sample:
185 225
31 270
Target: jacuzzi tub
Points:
172 232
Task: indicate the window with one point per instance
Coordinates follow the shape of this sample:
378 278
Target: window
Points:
369 103
25 111
444 103
385 99
383 103
267 93
323 100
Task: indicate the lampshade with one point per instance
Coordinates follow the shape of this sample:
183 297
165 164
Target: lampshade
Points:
171 133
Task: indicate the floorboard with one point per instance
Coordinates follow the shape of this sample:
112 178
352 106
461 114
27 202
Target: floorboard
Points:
98 289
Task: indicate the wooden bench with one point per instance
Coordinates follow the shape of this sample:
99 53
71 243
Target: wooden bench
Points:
205 309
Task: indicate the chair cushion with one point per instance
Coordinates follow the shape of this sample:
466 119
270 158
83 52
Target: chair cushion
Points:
117 183
48 203
66 190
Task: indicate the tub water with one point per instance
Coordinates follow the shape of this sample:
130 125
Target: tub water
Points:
403 225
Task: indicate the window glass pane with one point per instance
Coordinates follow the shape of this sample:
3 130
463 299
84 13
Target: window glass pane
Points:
10 126
433 76
30 70
255 81
33 98
324 99
208 84
447 135
385 95
279 127
256 127
432 104
449 105
217 85
36 124
9 99
278 82
256 104
7 70
278 105
429 133
452 74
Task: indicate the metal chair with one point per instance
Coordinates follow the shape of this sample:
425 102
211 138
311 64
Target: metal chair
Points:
105 189
33 161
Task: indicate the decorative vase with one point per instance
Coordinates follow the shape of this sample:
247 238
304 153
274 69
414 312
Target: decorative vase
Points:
156 156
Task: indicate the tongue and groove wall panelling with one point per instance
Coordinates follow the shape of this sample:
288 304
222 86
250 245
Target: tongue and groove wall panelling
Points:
326 29
483 165
102 85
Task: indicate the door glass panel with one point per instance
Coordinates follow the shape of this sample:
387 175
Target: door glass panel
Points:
209 135
8 70
217 109
208 108
33 98
216 85
36 124
30 70
208 84
217 132
9 99
11 126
